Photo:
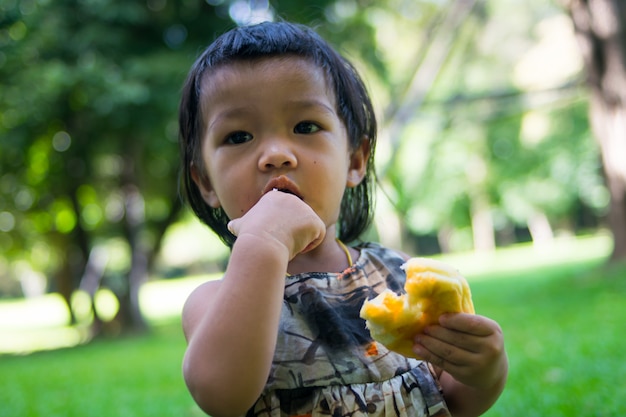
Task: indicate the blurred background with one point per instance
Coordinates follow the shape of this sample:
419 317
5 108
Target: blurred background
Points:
502 148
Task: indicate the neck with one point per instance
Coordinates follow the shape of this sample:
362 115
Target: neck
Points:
329 256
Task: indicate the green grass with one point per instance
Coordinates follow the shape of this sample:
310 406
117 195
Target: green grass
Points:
562 314
564 330
130 377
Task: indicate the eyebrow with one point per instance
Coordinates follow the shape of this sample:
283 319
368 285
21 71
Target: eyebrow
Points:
232 113
298 104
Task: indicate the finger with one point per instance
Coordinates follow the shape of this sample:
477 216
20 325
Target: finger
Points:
461 365
441 354
465 341
468 323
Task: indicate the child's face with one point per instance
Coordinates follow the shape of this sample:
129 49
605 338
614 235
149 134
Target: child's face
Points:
272 123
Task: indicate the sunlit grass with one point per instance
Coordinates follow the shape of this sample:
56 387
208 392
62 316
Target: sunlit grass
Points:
35 323
518 258
126 377
41 323
564 332
563 322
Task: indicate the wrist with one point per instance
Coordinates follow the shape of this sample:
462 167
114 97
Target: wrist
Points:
265 252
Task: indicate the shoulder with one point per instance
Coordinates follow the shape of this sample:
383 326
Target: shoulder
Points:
376 250
384 262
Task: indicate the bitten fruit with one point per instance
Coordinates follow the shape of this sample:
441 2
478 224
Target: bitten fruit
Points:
432 289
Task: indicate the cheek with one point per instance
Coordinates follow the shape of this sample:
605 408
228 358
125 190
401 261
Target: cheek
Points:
335 180
237 193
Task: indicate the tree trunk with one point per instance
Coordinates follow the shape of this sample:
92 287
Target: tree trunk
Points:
601 30
613 148
482 224
131 317
74 253
90 282
540 229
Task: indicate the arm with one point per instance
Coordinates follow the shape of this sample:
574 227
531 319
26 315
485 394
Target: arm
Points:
468 350
231 325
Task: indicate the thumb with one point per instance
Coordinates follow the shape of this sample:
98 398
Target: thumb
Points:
234 226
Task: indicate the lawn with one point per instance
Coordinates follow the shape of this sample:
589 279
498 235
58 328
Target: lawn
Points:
564 328
129 377
125 377
562 314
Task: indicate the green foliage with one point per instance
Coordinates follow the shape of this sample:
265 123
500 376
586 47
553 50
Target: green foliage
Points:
485 139
552 174
88 127
90 91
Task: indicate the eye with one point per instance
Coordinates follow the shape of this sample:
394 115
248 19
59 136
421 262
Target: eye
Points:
237 138
306 128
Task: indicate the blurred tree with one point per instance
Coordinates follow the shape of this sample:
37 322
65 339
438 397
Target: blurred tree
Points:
88 129
496 139
601 30
89 137
88 125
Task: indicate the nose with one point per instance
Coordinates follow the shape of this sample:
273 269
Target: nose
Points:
277 154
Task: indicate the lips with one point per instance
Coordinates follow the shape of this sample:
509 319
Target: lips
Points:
283 184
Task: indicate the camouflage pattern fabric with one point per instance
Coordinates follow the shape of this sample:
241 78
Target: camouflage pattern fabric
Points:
326 363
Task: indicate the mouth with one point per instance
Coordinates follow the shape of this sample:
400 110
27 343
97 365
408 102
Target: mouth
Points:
283 184
284 190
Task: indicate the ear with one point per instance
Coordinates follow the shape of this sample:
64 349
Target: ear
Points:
204 185
358 163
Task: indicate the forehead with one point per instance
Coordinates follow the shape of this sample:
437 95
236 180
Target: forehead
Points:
293 70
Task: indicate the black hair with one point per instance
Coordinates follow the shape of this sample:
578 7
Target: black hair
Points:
270 39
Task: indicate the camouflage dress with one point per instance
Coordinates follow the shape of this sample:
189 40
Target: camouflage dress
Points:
326 363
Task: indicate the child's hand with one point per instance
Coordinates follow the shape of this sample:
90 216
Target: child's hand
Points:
468 347
285 218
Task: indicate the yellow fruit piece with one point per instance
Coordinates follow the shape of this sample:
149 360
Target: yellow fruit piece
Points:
432 289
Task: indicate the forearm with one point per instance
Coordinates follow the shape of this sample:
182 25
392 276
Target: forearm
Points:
230 350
